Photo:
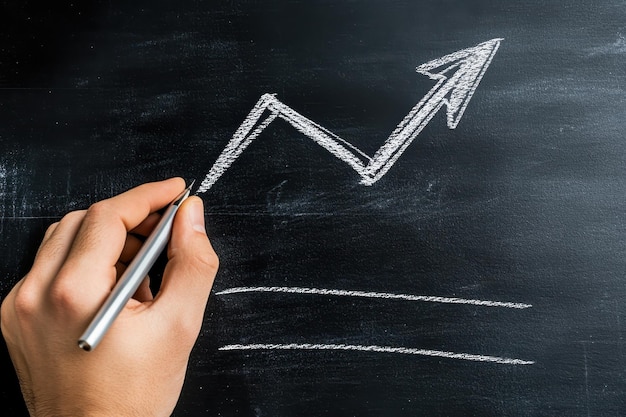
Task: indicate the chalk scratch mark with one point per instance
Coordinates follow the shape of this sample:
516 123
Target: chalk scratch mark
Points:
366 294
457 76
380 349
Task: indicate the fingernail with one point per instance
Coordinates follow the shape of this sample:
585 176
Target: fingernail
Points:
196 215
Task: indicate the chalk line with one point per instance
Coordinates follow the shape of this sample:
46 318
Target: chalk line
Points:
383 295
380 349
457 75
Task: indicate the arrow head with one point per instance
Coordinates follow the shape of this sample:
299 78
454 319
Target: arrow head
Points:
458 74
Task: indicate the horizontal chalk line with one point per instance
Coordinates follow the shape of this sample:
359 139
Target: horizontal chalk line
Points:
380 349
383 295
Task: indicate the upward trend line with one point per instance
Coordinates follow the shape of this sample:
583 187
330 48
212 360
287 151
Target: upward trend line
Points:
457 75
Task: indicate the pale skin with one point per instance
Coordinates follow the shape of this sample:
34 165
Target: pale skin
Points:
139 367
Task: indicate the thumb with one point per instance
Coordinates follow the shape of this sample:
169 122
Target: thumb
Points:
190 270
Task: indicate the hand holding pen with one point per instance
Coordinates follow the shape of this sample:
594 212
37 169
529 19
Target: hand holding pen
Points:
139 366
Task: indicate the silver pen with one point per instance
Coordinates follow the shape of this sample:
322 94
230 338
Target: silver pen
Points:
132 276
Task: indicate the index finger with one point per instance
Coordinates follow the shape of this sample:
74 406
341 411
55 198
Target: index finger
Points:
101 237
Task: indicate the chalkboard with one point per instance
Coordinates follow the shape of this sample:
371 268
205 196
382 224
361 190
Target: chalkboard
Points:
419 206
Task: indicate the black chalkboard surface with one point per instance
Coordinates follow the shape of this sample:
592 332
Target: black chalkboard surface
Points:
449 241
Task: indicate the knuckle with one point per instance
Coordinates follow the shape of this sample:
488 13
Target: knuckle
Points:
73 216
25 302
62 296
98 219
100 208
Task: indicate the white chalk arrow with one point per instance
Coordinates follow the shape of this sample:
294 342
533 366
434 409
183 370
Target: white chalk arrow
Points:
457 75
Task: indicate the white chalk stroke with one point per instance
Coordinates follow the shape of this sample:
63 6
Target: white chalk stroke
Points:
376 349
457 76
368 294
381 349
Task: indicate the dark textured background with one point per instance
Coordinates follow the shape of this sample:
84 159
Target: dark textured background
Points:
524 201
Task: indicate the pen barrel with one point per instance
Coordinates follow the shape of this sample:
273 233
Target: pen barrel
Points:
129 281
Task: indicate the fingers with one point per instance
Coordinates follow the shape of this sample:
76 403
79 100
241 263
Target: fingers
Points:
58 239
190 271
102 236
107 222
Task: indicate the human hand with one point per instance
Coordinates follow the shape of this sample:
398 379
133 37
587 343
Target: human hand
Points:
139 367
